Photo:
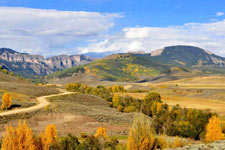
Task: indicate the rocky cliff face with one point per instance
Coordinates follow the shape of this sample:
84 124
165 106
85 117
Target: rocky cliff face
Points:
25 64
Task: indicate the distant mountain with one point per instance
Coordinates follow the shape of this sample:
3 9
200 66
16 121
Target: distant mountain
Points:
140 67
188 56
36 65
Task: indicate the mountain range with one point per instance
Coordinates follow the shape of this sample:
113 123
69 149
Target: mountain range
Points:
35 65
115 67
145 66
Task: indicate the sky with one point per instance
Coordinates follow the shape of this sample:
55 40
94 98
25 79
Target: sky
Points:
53 27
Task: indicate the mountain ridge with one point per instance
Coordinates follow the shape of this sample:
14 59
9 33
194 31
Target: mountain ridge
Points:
141 67
35 65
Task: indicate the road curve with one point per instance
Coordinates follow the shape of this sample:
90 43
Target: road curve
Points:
42 103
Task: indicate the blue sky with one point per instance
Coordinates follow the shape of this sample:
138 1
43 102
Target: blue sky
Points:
124 25
137 12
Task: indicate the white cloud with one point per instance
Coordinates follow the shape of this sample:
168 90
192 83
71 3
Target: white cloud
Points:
210 36
50 31
219 14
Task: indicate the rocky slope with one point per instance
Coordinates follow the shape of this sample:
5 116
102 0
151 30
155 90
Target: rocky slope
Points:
27 65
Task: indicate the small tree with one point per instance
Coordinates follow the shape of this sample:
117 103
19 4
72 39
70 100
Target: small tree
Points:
48 138
18 138
51 133
141 135
101 132
213 130
6 101
116 100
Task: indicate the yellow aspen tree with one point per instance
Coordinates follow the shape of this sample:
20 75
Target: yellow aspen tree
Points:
141 135
101 132
19 138
47 138
131 143
115 100
51 133
42 143
213 130
6 101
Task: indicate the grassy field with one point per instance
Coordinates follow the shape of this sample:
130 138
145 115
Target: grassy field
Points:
79 113
23 93
198 92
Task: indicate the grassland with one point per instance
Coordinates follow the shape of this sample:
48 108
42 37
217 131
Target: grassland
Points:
23 93
84 113
78 113
198 92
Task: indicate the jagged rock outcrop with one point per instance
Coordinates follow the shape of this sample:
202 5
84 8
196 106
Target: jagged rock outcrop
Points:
26 64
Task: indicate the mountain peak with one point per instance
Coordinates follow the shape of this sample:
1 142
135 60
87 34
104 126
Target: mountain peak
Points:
7 50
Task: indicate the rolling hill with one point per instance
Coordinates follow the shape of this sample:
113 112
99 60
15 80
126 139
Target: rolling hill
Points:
141 67
187 56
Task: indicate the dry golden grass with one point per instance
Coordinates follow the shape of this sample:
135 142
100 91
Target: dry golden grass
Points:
201 80
198 103
187 102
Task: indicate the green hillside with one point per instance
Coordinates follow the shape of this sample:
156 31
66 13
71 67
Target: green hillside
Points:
140 67
188 56
119 67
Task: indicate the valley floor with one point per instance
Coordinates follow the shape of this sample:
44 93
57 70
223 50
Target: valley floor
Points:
78 113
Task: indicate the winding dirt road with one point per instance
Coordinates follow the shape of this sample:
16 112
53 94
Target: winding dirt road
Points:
42 103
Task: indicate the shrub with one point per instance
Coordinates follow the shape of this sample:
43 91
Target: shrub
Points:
116 88
177 142
90 143
83 135
69 142
185 129
120 108
75 87
162 142
152 96
129 109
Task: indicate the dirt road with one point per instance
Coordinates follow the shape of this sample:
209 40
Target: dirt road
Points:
42 103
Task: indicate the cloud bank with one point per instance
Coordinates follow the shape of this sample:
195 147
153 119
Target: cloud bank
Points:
53 32
210 36
49 32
